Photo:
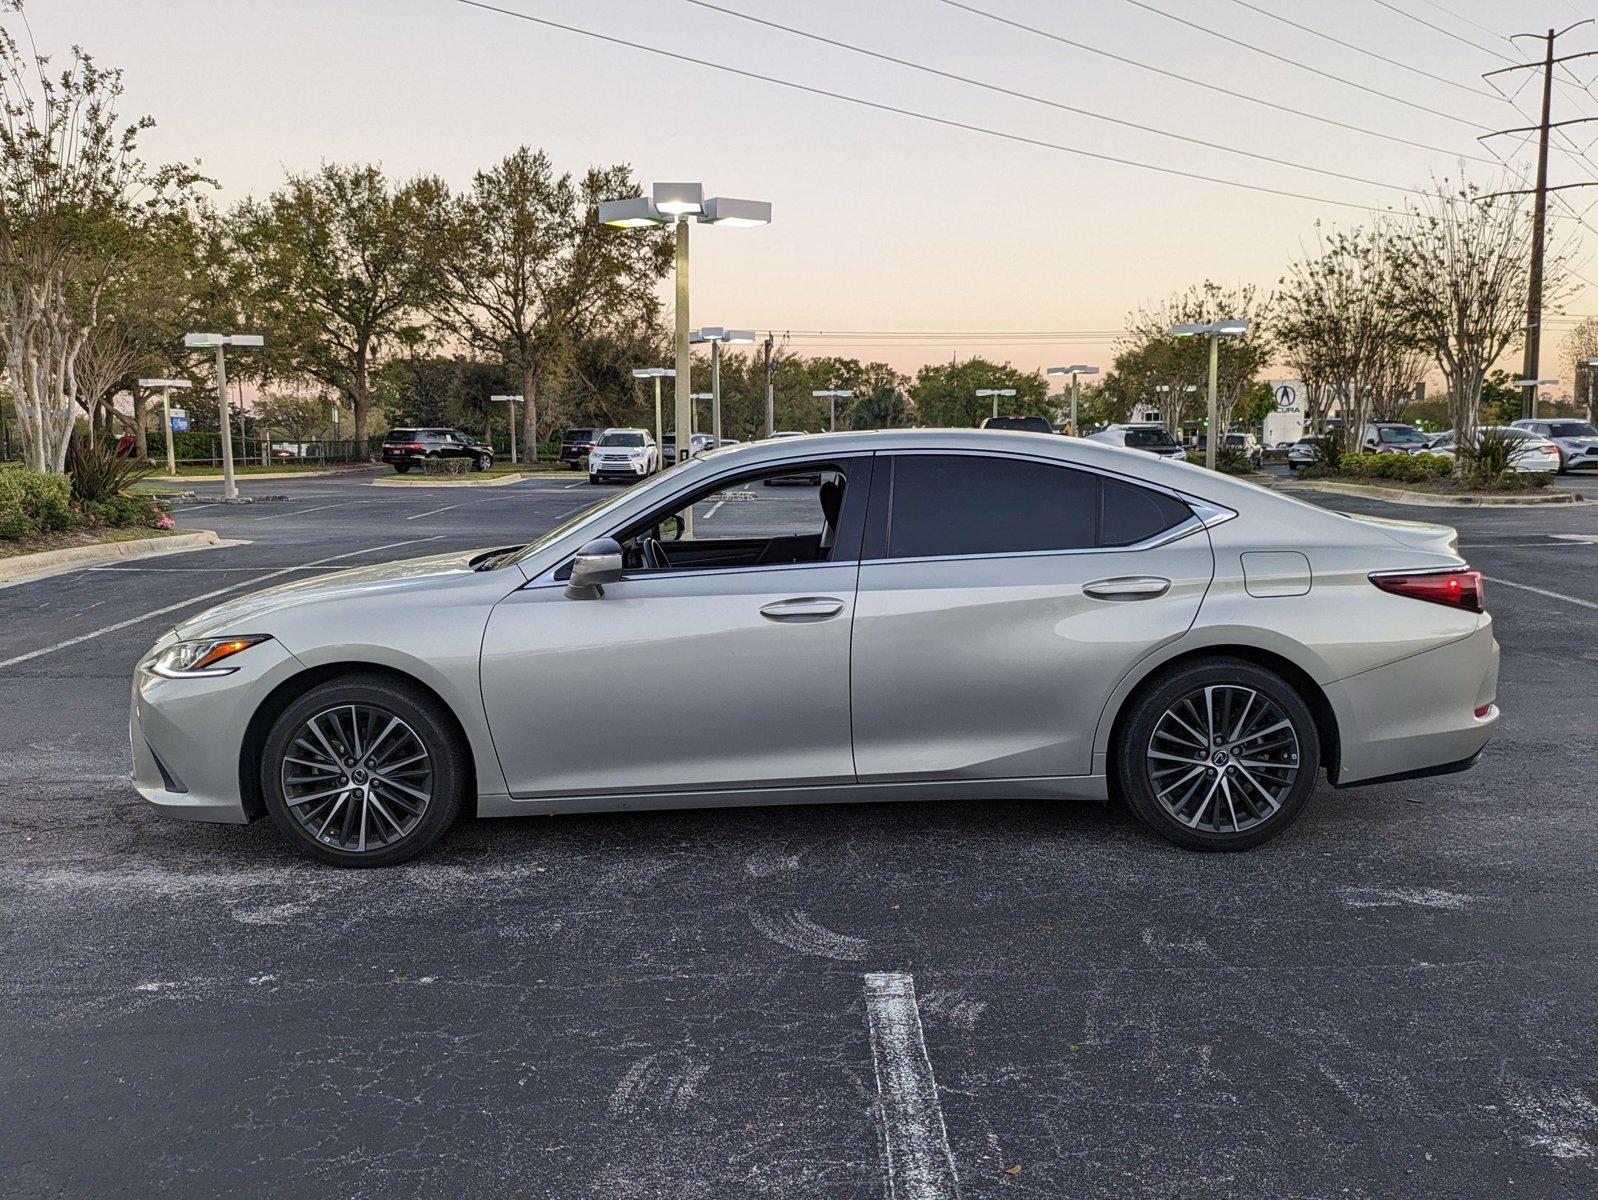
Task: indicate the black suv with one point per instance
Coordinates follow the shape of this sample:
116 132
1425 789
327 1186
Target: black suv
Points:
576 444
404 448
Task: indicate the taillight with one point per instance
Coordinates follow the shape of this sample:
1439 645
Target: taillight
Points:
416 446
1457 589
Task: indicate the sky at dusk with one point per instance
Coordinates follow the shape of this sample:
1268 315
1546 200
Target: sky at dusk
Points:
883 222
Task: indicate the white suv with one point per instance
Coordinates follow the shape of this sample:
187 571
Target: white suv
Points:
623 454
1148 435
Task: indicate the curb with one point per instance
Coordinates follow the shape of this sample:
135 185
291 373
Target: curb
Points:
246 476
1437 499
25 568
446 481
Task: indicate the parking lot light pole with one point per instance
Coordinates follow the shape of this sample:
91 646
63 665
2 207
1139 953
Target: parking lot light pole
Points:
1532 385
1590 364
657 374
716 336
166 386
201 341
678 204
995 393
832 396
511 401
1215 331
1073 372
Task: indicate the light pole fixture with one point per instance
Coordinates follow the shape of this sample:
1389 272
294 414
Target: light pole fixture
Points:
1531 386
1215 331
220 341
657 374
832 396
716 336
678 205
511 420
166 386
1591 364
1073 372
995 393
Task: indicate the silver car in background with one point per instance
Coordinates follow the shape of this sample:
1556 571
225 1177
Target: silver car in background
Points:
1576 441
948 614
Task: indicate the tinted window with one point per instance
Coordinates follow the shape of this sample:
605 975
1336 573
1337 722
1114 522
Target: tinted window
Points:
1029 424
622 439
579 435
1147 438
1574 429
959 504
401 435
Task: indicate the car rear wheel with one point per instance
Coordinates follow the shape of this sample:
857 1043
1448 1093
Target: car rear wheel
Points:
1219 754
363 772
402 468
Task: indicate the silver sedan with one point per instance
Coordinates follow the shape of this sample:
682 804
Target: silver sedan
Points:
947 614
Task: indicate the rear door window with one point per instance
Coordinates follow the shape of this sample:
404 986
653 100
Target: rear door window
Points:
942 505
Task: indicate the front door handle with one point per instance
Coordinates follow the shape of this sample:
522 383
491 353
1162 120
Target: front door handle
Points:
1130 587
803 608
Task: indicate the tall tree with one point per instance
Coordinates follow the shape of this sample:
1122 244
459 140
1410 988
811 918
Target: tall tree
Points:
530 272
1461 270
340 266
945 393
80 213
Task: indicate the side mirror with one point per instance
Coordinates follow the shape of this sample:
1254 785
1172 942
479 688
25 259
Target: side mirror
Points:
596 564
671 529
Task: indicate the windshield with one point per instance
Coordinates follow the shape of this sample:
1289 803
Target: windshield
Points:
675 474
622 437
1401 437
1236 439
1571 429
1149 437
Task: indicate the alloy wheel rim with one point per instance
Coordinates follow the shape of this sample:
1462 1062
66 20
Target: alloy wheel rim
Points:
1223 759
357 777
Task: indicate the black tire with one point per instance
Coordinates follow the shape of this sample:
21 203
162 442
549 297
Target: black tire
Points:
573 465
402 468
428 722
593 479
482 462
1153 703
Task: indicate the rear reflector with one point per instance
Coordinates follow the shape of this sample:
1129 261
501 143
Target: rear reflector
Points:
1457 589
1483 710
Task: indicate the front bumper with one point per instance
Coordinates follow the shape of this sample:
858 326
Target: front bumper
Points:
1411 717
187 735
618 470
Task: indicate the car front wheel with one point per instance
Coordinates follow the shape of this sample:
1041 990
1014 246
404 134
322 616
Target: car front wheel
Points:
363 772
402 468
483 462
1219 754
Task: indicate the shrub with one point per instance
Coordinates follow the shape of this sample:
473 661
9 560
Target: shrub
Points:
97 472
1400 468
32 503
121 512
446 466
1491 455
1232 462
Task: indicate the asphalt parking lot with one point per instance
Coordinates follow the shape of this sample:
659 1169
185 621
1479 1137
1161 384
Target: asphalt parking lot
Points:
1395 998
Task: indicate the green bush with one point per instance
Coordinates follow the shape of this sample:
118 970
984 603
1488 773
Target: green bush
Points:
1399 468
121 512
1492 455
97 472
1233 462
32 503
446 466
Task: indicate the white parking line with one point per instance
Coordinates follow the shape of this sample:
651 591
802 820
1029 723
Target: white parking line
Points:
568 486
232 587
1526 587
915 1141
302 511
430 512
713 509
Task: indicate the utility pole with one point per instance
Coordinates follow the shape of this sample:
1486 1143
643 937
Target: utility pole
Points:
1539 219
771 394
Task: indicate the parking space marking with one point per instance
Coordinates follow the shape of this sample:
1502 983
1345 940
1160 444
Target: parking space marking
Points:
915 1142
232 587
1525 587
299 512
430 512
566 487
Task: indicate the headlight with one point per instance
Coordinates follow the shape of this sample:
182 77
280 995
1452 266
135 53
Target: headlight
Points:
199 659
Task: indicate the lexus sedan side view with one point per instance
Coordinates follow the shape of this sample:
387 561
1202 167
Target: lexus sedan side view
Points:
948 614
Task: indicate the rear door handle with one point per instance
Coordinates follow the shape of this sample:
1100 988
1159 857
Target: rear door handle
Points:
803 608
1131 587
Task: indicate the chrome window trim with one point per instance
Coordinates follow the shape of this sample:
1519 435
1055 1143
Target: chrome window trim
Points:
1206 515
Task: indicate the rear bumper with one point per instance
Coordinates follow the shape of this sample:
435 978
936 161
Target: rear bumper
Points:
1417 716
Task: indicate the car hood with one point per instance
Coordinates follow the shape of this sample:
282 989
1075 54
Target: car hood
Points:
242 614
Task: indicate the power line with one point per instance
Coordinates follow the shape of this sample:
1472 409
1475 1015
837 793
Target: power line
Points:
1392 62
1282 58
1211 87
947 122
1445 32
1019 95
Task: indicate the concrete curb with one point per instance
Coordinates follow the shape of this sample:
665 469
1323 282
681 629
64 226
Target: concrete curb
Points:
246 477
25 568
447 481
1436 499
